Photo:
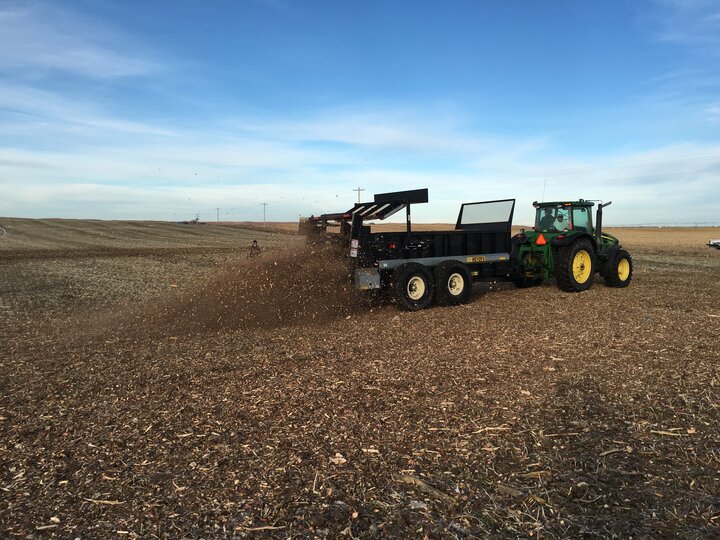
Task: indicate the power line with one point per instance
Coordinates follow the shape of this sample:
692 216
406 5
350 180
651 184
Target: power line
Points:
607 178
264 205
572 170
671 224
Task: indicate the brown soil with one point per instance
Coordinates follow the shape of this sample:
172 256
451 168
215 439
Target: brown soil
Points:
193 392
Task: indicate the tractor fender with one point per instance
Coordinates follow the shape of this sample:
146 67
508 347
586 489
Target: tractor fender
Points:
519 239
572 238
516 241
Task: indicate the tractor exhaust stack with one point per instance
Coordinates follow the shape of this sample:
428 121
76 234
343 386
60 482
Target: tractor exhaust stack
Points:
598 221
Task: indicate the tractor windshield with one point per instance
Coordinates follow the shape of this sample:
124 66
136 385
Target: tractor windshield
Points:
563 217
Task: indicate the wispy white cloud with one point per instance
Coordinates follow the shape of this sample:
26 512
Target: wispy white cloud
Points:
173 182
29 110
378 129
713 112
690 22
39 38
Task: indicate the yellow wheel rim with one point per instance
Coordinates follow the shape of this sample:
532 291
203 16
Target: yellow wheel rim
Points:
623 269
456 284
581 266
416 288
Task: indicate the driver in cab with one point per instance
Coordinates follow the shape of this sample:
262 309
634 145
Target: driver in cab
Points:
547 220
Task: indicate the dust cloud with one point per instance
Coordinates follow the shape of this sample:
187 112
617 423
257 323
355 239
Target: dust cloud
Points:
307 286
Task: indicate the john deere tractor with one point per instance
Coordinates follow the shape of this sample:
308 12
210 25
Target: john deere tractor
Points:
565 245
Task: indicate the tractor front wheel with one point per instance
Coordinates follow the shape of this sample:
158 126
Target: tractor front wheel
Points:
412 287
575 266
620 271
453 283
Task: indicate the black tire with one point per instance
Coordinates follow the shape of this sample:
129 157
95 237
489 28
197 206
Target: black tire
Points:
412 287
620 270
453 283
575 266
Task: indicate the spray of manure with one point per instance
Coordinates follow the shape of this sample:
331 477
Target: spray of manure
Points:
284 288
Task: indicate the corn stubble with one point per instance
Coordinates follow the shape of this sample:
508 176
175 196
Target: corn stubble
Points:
265 398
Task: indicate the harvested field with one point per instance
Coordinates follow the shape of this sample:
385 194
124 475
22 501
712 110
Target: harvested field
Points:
171 387
61 238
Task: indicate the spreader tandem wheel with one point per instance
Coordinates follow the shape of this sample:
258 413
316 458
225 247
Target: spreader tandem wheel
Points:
453 283
575 266
412 287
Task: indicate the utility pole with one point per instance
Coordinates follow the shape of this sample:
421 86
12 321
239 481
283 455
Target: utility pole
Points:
359 189
217 217
264 205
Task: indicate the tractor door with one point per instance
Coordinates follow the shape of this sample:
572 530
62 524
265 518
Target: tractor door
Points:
582 219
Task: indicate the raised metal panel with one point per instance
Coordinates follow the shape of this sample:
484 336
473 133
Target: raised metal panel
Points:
414 196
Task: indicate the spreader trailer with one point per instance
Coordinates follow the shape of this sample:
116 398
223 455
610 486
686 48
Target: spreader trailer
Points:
418 268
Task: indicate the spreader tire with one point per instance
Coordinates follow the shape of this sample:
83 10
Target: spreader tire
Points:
412 287
453 283
575 266
620 270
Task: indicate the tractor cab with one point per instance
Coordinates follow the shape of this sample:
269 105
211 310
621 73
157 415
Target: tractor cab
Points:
564 217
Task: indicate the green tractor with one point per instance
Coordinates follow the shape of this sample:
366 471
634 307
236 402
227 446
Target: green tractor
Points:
565 245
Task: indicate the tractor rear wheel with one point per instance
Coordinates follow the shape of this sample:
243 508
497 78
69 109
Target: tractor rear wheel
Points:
620 270
412 287
575 266
453 283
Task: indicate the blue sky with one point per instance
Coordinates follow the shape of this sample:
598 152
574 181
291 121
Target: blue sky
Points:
158 110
